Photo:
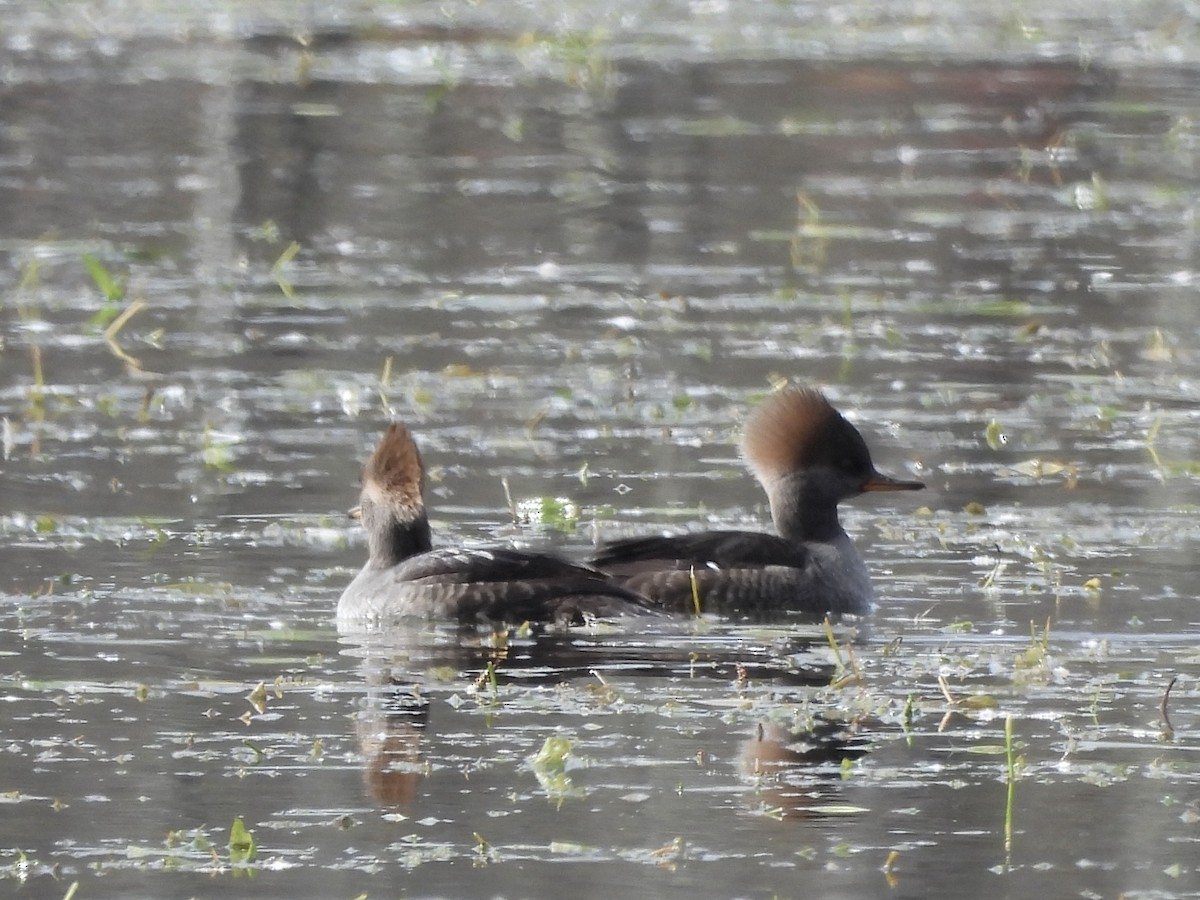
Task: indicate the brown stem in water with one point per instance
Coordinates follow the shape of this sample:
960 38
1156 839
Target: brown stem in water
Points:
1162 707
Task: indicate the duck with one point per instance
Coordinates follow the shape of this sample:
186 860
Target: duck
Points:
808 459
406 578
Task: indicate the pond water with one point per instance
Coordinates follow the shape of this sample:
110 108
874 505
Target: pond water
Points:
572 247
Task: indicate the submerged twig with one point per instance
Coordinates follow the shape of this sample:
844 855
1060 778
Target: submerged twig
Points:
1162 707
114 328
941 680
889 868
39 377
512 504
906 720
952 703
1152 449
847 671
833 644
1012 782
285 285
695 591
384 377
989 580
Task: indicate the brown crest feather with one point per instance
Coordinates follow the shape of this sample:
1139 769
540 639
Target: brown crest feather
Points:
394 474
798 428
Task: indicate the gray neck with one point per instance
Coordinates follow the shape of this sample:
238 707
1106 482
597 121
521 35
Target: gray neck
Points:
393 538
804 508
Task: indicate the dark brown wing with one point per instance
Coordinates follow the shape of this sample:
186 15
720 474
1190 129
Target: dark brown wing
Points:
463 566
709 549
502 584
744 572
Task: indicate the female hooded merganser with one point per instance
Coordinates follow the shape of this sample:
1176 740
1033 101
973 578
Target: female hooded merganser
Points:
808 459
406 578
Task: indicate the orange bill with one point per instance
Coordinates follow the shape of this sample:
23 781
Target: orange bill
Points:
879 482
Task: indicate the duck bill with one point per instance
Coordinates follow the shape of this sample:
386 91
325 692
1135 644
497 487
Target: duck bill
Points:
354 512
878 482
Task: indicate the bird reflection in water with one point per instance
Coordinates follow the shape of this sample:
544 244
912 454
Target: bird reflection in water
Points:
391 738
797 773
411 677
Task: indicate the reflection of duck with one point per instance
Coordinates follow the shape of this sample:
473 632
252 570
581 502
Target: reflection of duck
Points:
773 748
390 740
808 458
404 577
792 771
418 709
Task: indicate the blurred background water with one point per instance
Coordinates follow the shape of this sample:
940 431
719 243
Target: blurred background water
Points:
572 246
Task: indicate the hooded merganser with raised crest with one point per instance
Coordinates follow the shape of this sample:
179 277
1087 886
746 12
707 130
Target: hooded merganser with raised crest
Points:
808 458
404 577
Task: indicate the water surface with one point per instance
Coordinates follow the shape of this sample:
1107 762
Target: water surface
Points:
572 251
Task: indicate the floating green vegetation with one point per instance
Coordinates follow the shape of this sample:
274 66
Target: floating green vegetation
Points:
484 852
604 692
1042 469
559 513
549 766
461 370
112 288
1006 307
682 402
513 128
257 698
1034 660
242 848
969 703
266 233
195 588
191 850
217 453
585 56
1159 348
111 318
487 685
